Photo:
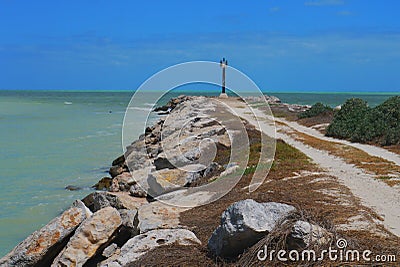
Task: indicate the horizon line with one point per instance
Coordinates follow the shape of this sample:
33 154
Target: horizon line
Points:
205 90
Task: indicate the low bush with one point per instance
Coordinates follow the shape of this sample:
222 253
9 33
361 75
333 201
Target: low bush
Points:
359 123
315 110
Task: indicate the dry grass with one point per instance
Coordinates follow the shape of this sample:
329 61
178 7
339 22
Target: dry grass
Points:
394 148
283 112
325 117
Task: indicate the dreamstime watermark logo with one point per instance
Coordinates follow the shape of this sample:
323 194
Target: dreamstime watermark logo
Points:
339 254
175 145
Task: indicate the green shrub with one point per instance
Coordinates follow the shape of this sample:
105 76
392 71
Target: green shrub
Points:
359 123
315 110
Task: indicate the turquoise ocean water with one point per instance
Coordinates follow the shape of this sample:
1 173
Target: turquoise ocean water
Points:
52 139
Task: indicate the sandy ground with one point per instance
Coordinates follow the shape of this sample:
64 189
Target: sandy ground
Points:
385 200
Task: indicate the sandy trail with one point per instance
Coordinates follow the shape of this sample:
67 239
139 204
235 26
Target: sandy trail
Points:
372 150
385 200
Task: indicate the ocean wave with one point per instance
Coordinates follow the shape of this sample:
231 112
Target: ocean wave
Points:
141 108
97 134
149 104
116 125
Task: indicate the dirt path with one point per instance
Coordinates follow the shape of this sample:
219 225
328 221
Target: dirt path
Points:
385 200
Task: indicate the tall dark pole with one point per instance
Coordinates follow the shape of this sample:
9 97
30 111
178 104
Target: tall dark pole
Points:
223 63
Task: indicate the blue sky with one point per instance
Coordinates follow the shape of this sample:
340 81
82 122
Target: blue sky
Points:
285 45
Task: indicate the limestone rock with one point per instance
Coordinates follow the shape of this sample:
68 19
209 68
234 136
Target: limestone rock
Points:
161 162
121 200
119 161
104 183
137 246
243 224
136 155
122 182
157 215
110 250
130 221
188 197
116 170
304 234
90 235
137 191
172 103
44 244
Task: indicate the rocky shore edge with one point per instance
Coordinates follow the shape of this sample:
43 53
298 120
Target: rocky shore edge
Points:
124 219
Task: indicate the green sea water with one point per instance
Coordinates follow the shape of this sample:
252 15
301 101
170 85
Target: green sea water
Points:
52 139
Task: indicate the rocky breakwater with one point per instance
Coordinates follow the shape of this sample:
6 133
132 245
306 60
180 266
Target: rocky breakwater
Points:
273 101
117 225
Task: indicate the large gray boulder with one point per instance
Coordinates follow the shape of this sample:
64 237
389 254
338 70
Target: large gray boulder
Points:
89 237
243 224
139 245
46 243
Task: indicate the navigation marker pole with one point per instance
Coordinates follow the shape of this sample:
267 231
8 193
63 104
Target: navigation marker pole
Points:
223 63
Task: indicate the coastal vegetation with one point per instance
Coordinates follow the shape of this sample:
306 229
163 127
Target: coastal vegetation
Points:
358 122
315 110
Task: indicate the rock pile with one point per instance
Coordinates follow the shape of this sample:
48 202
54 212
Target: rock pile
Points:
172 153
115 232
273 100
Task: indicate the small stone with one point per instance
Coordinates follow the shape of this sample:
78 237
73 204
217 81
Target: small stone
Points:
73 188
304 234
110 250
103 184
116 170
137 191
